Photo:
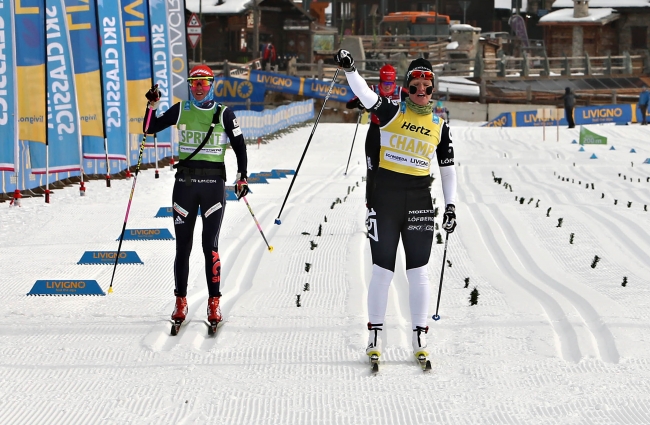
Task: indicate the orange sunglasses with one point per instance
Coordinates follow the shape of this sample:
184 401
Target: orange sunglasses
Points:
202 82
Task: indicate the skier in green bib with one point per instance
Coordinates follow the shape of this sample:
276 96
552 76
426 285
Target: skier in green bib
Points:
200 179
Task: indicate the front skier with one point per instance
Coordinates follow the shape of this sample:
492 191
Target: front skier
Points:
411 136
200 180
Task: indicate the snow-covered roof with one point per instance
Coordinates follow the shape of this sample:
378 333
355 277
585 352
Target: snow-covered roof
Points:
604 3
212 7
566 15
507 4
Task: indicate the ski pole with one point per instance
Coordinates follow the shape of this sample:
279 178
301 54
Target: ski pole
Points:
329 92
128 207
258 225
353 137
442 273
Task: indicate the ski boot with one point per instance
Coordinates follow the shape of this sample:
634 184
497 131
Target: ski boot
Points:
179 314
420 347
373 349
214 315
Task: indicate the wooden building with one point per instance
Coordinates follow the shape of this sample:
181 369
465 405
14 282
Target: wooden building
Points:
614 27
228 30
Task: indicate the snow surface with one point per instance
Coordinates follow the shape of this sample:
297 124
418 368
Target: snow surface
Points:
507 4
551 341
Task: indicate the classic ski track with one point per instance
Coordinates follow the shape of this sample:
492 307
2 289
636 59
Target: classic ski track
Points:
601 334
631 236
605 341
566 336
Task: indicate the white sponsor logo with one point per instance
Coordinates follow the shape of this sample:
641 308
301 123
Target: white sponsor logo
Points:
178 221
213 208
180 210
236 132
371 224
235 123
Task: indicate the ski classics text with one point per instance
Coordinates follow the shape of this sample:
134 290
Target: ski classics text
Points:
4 106
59 107
160 61
112 71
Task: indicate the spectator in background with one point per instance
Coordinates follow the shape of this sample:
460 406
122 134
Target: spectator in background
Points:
569 103
644 101
269 55
441 111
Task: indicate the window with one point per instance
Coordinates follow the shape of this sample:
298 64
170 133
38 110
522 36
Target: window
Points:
639 37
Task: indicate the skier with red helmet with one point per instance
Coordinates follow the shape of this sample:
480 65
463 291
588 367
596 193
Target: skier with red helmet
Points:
206 127
386 88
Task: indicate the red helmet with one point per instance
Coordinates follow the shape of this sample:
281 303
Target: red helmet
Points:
387 73
201 71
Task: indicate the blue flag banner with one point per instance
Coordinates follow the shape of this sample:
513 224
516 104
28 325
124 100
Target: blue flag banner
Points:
301 86
63 134
8 94
113 66
162 67
178 51
236 93
146 234
135 21
82 27
30 72
66 287
108 257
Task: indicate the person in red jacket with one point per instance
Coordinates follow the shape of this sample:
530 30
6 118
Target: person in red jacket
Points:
269 55
386 88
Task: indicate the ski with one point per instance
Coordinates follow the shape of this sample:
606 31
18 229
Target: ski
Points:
176 326
425 363
213 326
374 363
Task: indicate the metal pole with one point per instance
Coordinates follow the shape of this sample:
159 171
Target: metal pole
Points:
201 37
256 30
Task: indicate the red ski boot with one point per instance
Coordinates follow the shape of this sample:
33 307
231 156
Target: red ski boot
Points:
179 314
214 314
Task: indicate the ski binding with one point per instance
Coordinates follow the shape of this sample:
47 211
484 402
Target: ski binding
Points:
374 363
425 363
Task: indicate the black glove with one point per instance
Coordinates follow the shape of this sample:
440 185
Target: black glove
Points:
344 59
241 186
153 96
355 104
449 219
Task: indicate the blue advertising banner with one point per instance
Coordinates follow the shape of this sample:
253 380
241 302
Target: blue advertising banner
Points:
162 67
108 257
66 287
146 234
235 94
109 17
64 133
8 95
301 86
621 113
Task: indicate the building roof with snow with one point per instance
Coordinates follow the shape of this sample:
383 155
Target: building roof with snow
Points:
565 17
213 7
616 4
